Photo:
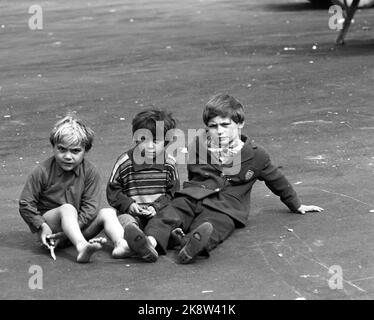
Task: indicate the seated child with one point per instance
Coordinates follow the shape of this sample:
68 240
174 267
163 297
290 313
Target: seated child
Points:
223 166
62 194
143 180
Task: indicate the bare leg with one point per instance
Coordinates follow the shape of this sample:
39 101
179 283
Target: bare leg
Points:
65 218
107 220
91 247
122 250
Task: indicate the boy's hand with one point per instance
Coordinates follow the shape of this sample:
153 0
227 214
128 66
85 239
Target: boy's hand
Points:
149 212
303 209
44 232
135 209
57 238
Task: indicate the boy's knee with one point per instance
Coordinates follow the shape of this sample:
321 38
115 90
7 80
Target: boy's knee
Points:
67 208
174 222
107 212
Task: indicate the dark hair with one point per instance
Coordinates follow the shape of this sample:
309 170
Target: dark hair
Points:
223 105
147 120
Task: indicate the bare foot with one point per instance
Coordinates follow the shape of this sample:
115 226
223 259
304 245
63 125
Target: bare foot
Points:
100 240
86 251
178 236
121 250
153 241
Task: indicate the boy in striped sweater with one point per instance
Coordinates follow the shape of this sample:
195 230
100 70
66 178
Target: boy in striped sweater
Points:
143 180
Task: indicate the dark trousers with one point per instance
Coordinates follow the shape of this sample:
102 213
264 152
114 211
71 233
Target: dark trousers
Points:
188 213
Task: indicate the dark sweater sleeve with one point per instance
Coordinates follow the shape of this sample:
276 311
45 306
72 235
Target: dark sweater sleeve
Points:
278 184
28 202
117 198
114 191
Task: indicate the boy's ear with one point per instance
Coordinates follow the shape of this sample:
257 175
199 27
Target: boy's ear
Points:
241 125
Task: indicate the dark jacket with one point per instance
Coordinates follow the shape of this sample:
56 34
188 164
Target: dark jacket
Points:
228 189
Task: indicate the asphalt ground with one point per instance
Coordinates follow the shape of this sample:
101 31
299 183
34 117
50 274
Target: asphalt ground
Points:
308 102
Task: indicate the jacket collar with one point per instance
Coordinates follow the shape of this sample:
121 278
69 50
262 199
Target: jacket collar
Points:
246 153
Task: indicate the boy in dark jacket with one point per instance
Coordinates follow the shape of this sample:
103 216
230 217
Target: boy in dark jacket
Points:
222 168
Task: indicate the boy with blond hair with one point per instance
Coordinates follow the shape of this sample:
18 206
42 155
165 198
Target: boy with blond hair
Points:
62 194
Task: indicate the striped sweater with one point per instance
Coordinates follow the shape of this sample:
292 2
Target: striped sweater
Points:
145 184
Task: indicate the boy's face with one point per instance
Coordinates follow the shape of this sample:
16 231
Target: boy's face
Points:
68 157
152 148
224 131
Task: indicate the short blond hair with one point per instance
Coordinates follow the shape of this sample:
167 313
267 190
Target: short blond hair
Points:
72 131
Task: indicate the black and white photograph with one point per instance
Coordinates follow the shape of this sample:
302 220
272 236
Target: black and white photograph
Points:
201 152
